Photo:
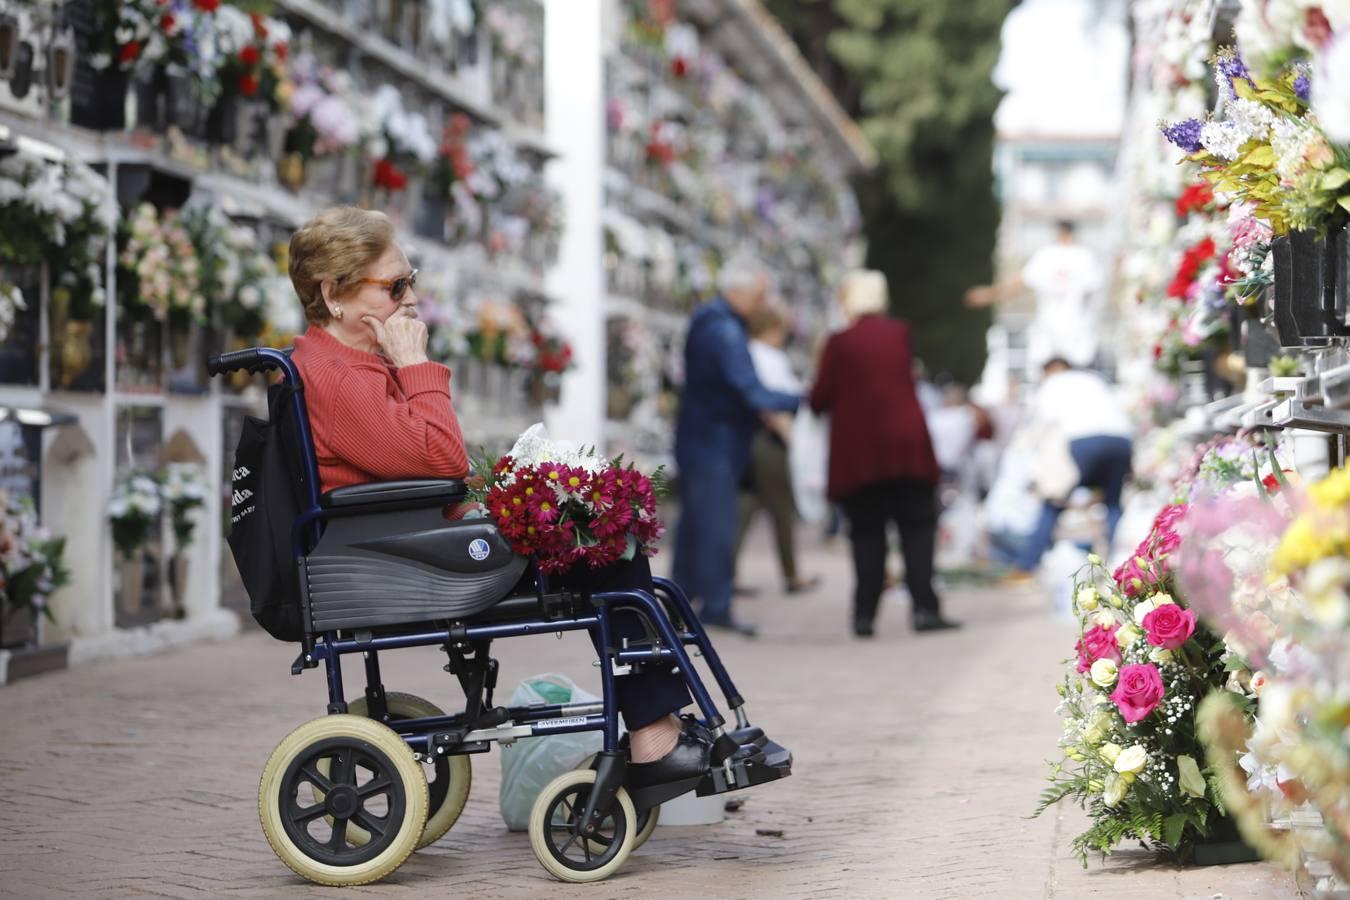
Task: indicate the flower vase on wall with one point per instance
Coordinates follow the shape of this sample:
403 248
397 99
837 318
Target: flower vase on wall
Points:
130 588
291 170
178 580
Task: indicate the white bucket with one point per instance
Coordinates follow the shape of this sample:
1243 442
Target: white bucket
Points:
690 809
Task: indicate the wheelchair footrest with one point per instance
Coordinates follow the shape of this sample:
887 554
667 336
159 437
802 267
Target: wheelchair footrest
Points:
773 763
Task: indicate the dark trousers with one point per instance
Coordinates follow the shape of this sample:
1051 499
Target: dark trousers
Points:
912 506
644 696
705 540
771 489
1103 462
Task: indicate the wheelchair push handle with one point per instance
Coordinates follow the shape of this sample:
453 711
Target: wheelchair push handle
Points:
252 359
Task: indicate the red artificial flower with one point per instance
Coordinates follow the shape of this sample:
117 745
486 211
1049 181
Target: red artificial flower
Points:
678 67
281 49
1194 199
1157 351
166 22
248 85
209 6
259 24
1317 28
130 50
389 176
1271 484
1195 256
250 56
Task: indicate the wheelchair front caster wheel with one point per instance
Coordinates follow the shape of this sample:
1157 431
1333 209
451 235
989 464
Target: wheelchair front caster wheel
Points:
646 819
372 783
448 778
557 841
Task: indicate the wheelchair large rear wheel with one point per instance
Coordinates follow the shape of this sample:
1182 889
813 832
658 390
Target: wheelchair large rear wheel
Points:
373 783
448 778
557 841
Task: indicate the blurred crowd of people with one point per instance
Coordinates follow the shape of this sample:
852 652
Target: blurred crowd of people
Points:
870 446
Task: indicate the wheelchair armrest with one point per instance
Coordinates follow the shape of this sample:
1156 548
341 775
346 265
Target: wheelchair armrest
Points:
420 492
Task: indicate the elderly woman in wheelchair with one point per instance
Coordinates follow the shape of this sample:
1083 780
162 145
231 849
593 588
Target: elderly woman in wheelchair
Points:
386 559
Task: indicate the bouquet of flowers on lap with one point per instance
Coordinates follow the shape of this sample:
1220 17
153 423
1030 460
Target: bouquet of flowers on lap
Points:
566 506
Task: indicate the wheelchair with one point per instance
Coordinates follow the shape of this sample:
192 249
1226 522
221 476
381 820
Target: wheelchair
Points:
345 798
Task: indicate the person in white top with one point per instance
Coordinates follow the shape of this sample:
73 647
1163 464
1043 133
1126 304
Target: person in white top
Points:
1081 408
1066 278
770 474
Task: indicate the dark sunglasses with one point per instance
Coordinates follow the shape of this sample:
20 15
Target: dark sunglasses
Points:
396 287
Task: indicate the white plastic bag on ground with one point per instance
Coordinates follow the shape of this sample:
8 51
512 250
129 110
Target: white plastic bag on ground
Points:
531 763
1056 575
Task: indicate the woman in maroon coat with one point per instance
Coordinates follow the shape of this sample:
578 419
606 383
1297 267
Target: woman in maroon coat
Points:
882 467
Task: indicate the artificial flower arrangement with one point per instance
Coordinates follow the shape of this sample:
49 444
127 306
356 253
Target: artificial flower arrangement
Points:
397 139
1267 151
1133 757
31 560
159 273
1273 575
183 489
568 507
54 213
133 510
232 268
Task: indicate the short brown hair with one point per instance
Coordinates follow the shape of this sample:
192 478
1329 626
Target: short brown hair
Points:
774 316
339 244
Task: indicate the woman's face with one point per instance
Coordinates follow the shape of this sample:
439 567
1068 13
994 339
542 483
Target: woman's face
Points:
373 297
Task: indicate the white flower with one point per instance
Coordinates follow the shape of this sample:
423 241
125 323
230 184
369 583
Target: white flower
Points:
1222 139
1103 673
1126 635
1087 599
1331 90
1324 593
1159 656
1131 760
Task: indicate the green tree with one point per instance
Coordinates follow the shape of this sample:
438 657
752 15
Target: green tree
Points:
915 74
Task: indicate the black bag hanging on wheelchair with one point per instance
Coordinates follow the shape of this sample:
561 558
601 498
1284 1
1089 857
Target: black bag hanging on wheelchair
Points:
264 503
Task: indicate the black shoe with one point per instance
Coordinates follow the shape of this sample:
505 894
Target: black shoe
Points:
690 760
931 621
864 629
744 629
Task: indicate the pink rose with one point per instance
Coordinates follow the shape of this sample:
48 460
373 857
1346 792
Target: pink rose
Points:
1169 626
1097 643
1138 691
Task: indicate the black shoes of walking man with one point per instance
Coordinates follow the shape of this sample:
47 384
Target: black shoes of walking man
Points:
923 621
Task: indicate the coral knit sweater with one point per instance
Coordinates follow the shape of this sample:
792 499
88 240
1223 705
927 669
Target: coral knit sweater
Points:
372 421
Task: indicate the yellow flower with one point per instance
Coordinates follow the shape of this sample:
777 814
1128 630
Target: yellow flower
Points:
1115 789
1087 599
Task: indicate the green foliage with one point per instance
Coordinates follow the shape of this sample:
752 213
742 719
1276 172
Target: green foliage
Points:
916 76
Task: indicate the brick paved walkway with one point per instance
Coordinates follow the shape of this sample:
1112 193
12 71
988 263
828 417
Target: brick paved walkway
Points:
917 760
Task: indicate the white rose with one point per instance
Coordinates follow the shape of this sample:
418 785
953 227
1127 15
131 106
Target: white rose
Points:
1126 635
1104 618
1115 790
1103 673
1110 753
1159 656
1147 606
1087 599
1131 760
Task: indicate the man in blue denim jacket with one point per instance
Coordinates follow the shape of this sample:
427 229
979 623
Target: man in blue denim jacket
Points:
722 405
